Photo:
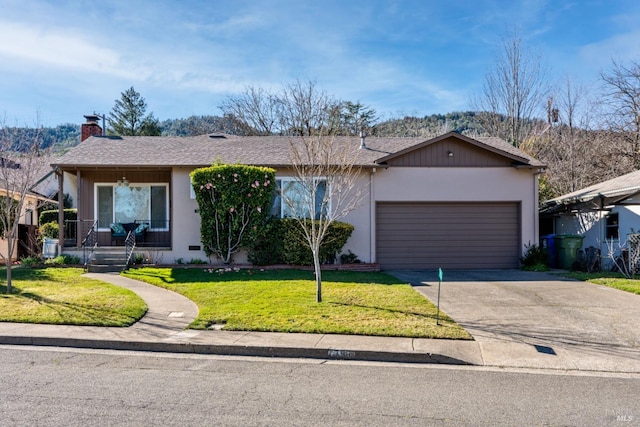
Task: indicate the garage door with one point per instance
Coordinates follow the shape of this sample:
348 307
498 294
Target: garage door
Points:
447 235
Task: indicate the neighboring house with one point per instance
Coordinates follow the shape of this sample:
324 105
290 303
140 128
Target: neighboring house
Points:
28 223
450 202
604 213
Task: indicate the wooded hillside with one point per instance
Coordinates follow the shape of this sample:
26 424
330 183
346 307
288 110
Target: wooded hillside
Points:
575 157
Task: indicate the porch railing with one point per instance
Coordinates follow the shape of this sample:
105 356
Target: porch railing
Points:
77 228
129 247
158 235
89 244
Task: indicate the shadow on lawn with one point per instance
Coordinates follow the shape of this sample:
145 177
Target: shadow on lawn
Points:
219 274
395 311
27 273
91 315
21 274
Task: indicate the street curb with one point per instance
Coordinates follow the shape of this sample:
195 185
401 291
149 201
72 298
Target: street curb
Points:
236 350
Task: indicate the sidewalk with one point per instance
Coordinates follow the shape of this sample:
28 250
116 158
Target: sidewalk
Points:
162 329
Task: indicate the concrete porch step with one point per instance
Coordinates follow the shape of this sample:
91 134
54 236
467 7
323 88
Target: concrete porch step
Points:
107 260
105 268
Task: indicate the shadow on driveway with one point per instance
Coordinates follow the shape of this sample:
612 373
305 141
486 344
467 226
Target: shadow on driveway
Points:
538 309
418 277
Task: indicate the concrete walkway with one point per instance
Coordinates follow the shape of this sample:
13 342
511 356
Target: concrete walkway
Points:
163 329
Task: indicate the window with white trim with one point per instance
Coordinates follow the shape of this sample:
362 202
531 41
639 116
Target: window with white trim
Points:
136 202
292 195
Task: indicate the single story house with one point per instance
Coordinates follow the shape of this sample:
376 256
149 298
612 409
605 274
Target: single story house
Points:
450 202
604 213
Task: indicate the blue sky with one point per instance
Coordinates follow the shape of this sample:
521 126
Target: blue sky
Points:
65 58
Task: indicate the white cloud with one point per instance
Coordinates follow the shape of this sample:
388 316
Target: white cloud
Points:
624 47
60 49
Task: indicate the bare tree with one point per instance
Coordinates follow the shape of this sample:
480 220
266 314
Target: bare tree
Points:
299 109
621 101
564 144
326 185
512 94
255 111
326 189
576 152
307 110
20 166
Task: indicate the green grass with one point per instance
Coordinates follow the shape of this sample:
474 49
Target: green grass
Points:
606 278
62 296
284 301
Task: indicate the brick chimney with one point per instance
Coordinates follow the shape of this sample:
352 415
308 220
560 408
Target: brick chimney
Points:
91 127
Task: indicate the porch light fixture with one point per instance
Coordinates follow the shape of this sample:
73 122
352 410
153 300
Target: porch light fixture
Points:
124 182
450 153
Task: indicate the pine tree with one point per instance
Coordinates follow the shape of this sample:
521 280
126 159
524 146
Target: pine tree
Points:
127 118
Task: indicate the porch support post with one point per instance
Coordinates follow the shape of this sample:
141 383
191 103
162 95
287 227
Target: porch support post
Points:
60 175
80 233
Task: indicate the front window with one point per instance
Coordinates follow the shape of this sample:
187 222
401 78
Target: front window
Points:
292 198
137 202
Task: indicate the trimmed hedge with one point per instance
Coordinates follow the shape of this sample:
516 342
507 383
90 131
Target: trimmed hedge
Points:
52 215
268 247
282 242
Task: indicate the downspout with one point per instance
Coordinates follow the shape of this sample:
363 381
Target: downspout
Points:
80 232
536 211
372 219
602 235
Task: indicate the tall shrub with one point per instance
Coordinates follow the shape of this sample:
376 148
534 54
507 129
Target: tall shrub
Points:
234 202
282 242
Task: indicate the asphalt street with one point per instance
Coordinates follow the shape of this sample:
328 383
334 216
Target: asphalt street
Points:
73 387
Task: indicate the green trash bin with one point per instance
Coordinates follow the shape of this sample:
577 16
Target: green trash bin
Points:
567 246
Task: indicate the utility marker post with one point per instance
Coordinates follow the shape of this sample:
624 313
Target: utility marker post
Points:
439 284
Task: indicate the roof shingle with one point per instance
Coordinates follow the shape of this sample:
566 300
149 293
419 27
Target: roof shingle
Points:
203 150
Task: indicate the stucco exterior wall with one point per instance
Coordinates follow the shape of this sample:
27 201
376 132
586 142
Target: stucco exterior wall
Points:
186 221
504 184
360 243
185 218
392 184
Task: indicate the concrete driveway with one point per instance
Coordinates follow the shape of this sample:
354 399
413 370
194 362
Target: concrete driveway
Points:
529 319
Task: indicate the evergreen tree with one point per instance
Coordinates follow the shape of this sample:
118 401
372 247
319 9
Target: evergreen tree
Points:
127 118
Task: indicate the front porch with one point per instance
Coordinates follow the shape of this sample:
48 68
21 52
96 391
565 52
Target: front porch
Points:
157 236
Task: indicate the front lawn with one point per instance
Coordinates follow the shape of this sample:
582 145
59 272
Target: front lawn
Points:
284 301
62 296
611 279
